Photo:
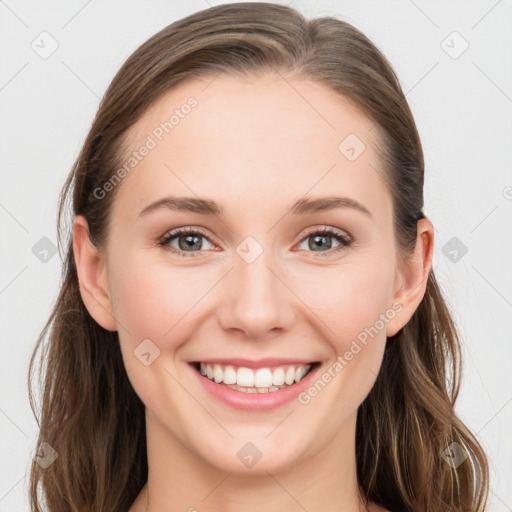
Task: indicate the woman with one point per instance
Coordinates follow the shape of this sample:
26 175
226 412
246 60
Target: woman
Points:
249 318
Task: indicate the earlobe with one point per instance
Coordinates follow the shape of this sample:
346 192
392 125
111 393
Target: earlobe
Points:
414 273
92 276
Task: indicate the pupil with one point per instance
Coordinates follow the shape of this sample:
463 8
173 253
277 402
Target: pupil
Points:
191 242
318 240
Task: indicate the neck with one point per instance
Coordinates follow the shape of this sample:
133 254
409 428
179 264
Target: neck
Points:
179 479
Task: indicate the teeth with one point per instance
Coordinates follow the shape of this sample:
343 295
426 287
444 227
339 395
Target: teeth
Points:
299 373
255 390
245 377
278 377
290 376
229 375
217 373
262 380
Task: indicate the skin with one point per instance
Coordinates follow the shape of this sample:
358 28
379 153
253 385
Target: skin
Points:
246 140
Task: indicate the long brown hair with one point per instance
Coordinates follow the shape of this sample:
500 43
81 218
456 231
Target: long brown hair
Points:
90 414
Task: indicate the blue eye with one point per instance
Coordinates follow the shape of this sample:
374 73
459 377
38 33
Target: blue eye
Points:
189 241
317 241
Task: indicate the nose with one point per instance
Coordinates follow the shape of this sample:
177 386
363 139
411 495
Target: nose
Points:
256 300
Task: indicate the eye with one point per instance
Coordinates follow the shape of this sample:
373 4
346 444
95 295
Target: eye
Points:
327 240
186 240
189 241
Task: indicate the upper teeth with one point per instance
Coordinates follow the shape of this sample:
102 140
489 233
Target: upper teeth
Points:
260 378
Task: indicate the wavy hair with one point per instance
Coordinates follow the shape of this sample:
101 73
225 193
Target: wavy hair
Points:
90 413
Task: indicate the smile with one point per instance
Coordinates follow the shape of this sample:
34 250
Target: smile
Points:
260 380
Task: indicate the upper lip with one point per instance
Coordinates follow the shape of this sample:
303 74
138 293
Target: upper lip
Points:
248 363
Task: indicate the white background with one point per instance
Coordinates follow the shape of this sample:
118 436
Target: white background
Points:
463 109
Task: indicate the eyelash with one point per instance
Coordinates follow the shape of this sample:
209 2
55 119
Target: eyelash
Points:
344 240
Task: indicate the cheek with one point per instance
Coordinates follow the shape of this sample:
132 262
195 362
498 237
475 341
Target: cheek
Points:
350 301
363 309
153 301
157 302
354 309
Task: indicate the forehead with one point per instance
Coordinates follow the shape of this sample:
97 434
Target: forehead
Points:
275 108
232 137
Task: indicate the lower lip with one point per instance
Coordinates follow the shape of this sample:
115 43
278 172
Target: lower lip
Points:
255 401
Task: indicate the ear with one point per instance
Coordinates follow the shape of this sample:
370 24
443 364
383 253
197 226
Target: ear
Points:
413 276
92 276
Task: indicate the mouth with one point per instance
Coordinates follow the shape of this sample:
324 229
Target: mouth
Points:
261 380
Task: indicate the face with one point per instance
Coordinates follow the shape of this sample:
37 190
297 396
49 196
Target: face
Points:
266 276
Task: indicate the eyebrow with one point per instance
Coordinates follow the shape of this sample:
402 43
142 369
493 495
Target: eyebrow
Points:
209 207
